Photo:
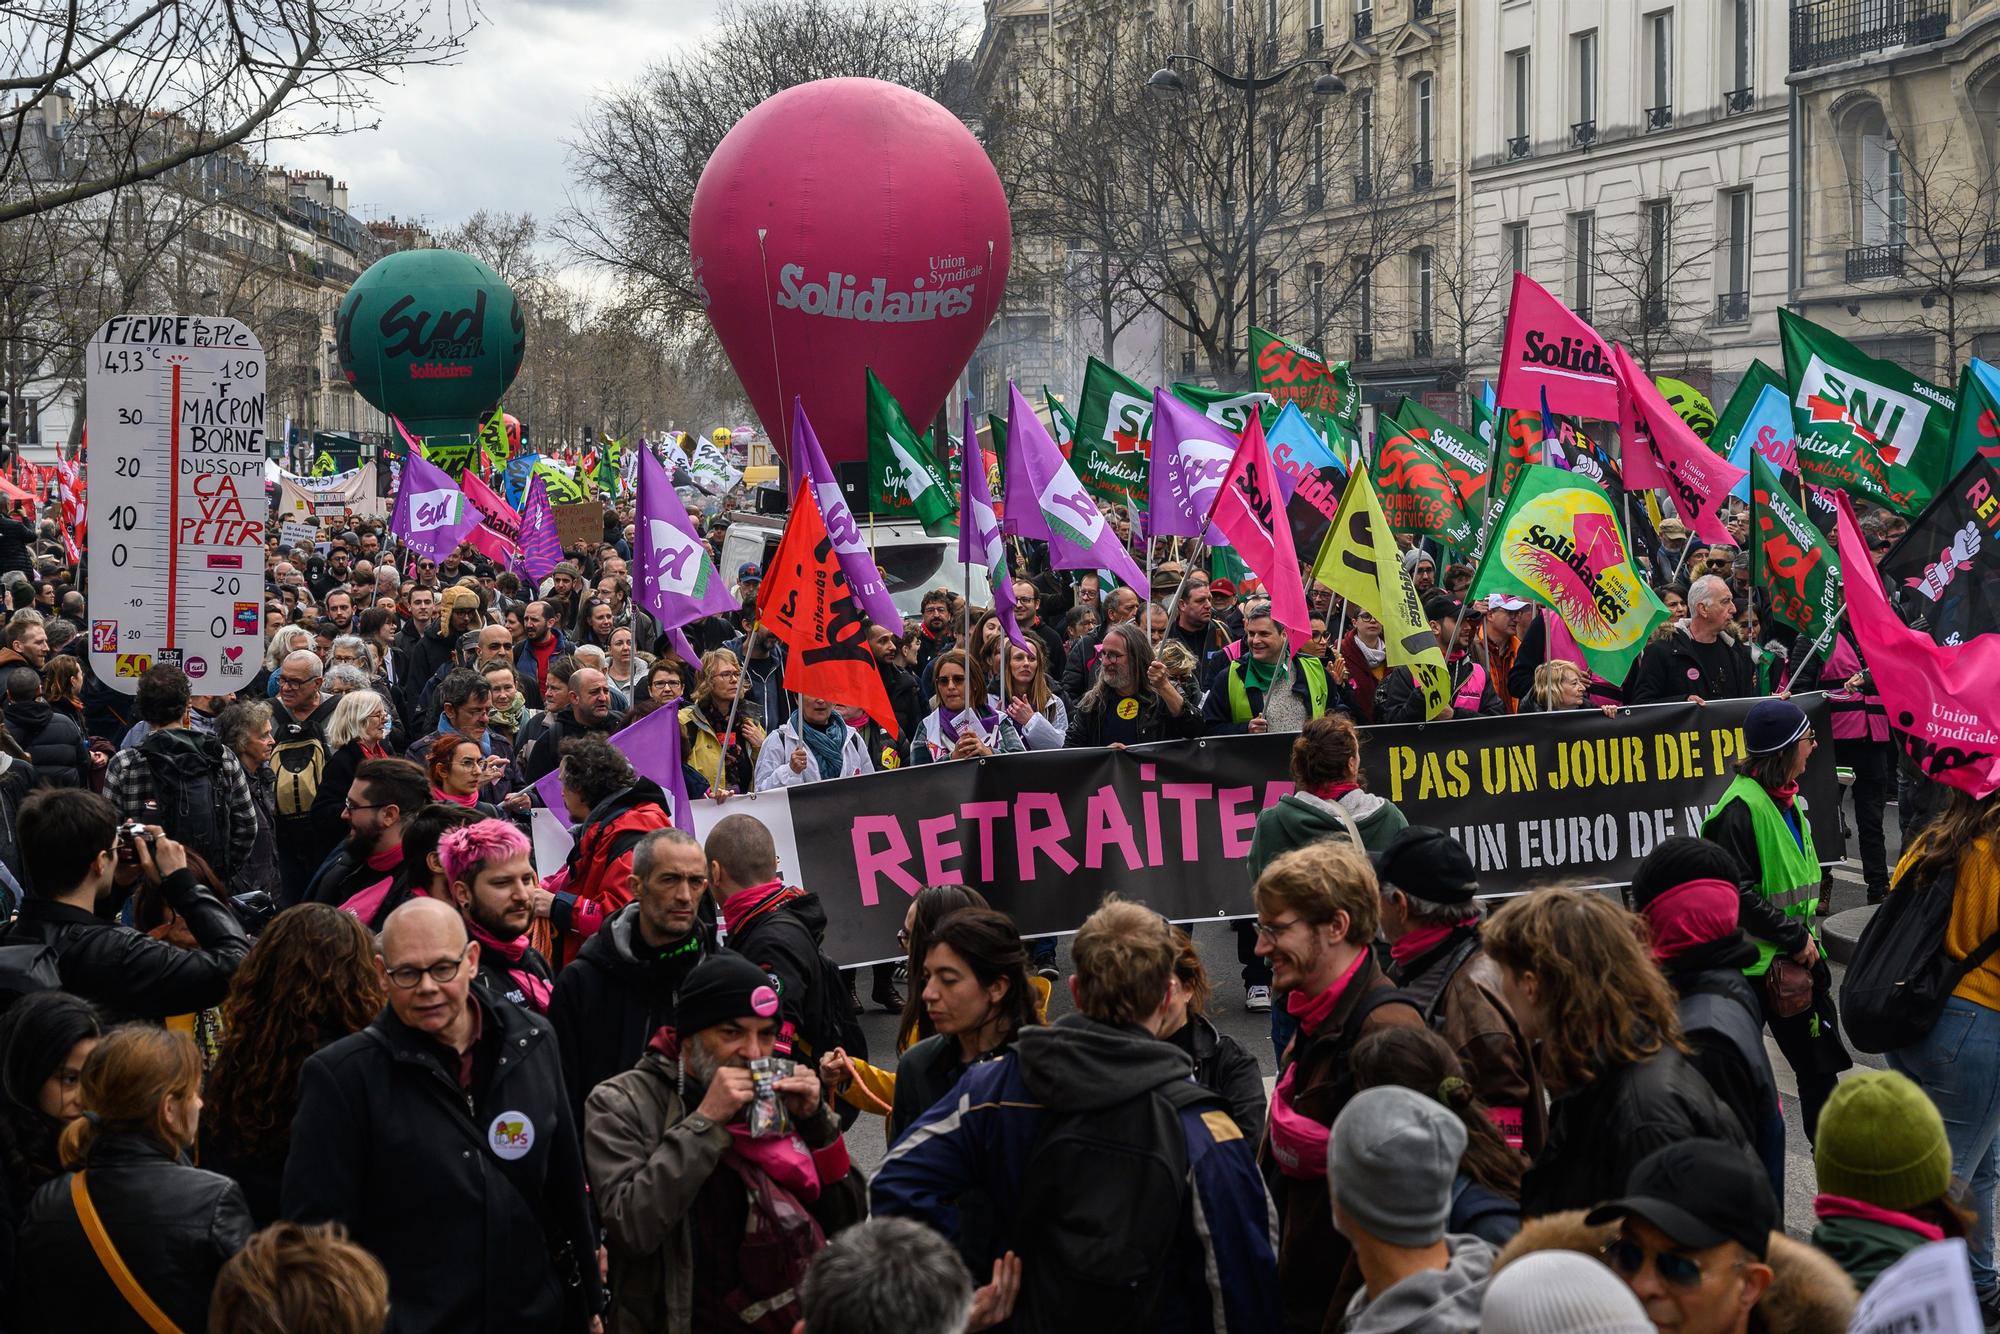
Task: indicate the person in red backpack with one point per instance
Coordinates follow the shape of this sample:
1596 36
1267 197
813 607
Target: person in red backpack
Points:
615 808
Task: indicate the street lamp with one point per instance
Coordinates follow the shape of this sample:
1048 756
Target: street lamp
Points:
1250 83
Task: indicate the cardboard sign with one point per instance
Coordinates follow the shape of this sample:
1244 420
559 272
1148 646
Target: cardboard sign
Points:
579 523
297 534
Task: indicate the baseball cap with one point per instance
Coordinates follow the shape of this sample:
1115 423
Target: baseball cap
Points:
1428 863
1701 1193
1441 606
1222 588
1505 602
749 572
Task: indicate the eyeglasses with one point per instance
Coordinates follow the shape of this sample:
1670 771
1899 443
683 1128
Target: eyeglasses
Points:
409 975
1675 1270
903 936
294 681
1272 930
352 805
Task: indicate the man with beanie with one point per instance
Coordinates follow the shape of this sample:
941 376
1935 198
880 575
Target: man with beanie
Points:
1762 820
1694 1236
1391 1162
708 1215
1686 889
1884 1169
1560 1292
1431 921
1128 1192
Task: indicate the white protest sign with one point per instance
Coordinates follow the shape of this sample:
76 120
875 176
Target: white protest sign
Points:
1929 1289
176 503
551 839
292 535
772 809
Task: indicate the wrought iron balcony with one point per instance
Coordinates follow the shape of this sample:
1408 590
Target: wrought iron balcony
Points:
1518 147
1364 23
1660 118
1738 100
1315 196
1364 347
1187 361
1827 32
1874 261
1993 250
1732 307
1315 37
1583 134
1421 343
1653 311
1420 176
1423 9
1364 187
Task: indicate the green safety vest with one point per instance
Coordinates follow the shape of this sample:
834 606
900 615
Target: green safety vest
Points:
1788 868
1239 694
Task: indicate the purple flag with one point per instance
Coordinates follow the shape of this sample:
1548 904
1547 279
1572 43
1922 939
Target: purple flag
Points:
678 640
541 549
1191 456
806 460
653 744
432 515
1040 483
979 540
672 575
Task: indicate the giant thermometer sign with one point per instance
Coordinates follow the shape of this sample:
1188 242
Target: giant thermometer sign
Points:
176 500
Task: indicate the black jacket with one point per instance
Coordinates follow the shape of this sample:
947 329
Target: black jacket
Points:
1724 1023
906 701
387 1143
174 1226
428 652
14 539
925 1073
1669 671
1397 699
1154 723
1222 1066
127 973
1599 1131
343 875
55 745
609 1002
546 753
329 825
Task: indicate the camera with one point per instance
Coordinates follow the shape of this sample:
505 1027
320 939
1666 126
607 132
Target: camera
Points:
129 835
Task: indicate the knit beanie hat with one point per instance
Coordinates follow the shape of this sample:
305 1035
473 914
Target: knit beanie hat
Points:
1881 1141
723 986
1560 1292
1676 861
1392 1159
1772 725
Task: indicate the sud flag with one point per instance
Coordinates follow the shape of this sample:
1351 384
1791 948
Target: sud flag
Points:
1722 436
1767 432
1361 563
1112 437
1940 698
979 540
1976 431
1463 455
541 548
494 447
808 604
673 577
1795 565
1549 349
1559 543
432 515
1662 451
1047 503
1867 427
1250 515
1191 452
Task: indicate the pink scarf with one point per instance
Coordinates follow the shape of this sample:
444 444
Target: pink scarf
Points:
439 794
1840 1206
1691 914
1312 1011
513 951
1421 940
788 1162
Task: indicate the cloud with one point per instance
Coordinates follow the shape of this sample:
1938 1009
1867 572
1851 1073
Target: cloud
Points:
488 131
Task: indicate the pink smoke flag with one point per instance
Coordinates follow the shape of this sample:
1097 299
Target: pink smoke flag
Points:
672 575
541 548
432 516
1662 452
807 462
1251 516
979 540
1046 501
1943 709
1549 347
1191 452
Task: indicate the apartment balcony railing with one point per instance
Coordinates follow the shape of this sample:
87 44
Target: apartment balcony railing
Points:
1583 134
1364 187
1187 361
1364 347
1873 261
1422 10
1738 100
1421 343
1315 37
1993 250
1732 307
1654 312
1518 147
1364 23
1315 196
1827 32
1659 118
1421 176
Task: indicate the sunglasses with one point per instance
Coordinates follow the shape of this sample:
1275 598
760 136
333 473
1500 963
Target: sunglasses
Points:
1629 1257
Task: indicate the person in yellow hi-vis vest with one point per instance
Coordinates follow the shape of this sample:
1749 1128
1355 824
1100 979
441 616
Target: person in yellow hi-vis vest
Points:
1762 819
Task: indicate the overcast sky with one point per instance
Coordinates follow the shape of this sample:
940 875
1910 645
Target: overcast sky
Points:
488 131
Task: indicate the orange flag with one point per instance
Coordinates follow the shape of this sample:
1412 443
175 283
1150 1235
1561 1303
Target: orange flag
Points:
807 603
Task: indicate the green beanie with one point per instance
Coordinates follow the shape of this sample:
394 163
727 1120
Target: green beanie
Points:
1882 1141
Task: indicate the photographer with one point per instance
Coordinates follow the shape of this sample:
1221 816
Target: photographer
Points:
75 851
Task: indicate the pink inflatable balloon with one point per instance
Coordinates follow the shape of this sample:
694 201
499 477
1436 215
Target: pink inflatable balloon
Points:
842 225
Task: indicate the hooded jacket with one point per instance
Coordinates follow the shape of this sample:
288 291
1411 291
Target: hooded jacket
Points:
1301 818
596 881
1436 1301
55 745
1723 1022
610 1001
982 1136
1808 1294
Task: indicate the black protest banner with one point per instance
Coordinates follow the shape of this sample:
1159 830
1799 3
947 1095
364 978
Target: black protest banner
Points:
1561 798
1945 573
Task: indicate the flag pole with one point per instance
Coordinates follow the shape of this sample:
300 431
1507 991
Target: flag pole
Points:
1832 627
729 735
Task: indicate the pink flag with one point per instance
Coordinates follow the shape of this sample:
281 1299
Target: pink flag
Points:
501 517
1549 348
1249 514
1662 452
1943 709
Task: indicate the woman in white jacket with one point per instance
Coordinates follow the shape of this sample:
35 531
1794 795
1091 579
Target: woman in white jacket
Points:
814 743
1023 694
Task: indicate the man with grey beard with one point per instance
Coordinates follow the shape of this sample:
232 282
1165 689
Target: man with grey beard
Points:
679 1183
1134 700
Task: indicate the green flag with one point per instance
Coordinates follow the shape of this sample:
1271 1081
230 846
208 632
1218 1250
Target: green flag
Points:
1112 435
1290 373
1866 426
1463 455
1061 425
1795 564
903 476
1416 490
1559 542
493 443
1976 429
1230 407
1722 436
610 458
1689 404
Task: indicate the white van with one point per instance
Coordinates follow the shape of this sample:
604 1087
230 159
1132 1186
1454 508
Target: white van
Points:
912 562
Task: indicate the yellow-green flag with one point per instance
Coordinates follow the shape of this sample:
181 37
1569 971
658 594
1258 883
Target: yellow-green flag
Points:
493 443
1359 561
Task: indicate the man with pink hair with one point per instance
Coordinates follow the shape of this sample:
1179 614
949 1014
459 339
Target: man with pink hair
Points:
493 882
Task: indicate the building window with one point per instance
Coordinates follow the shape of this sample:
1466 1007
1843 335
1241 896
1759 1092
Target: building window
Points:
1659 244
1660 70
1271 159
1420 292
1229 20
1364 110
1733 301
1270 294
1318 181
1316 293
1583 60
1316 25
1520 90
1189 17
1364 17
1875 166
1364 314
1515 239
1421 96
1271 19
1741 35
1583 260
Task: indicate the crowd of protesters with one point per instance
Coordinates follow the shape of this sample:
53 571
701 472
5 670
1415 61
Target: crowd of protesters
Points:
294 1035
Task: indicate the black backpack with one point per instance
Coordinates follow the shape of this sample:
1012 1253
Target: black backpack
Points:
1105 1200
187 787
1901 977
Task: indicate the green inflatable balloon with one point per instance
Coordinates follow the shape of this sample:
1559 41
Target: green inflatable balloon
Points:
433 337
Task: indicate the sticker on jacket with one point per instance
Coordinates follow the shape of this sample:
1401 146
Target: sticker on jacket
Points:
511 1135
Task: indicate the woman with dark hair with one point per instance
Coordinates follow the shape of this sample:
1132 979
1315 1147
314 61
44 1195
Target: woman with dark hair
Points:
1578 979
44 1040
1486 1197
1220 1064
172 1225
665 681
309 980
976 994
955 729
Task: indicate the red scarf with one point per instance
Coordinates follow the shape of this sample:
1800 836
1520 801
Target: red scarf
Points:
378 751
1335 791
513 951
1420 940
747 905
1784 795
1312 1011
439 794
1691 914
